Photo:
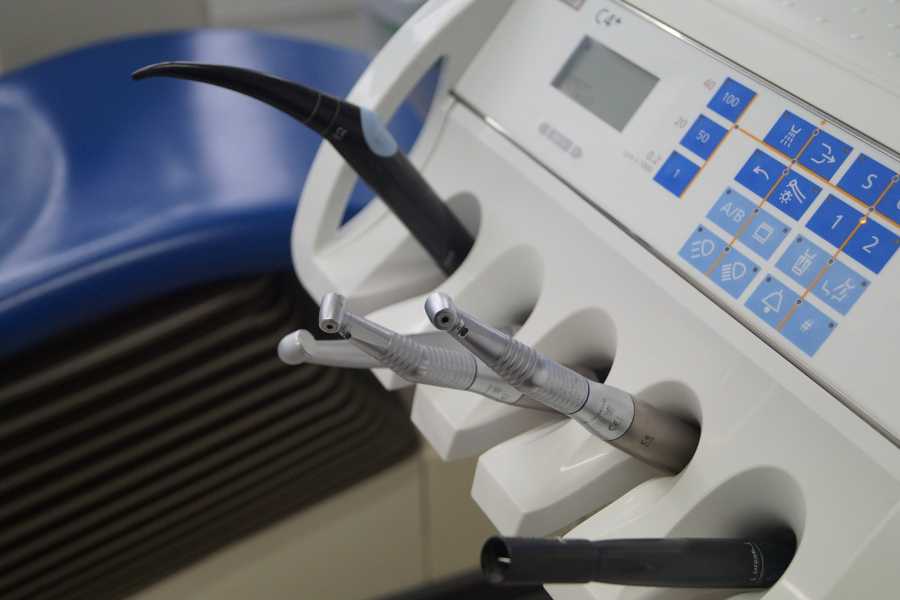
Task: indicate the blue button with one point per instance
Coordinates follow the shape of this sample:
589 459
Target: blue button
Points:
789 134
771 300
760 173
873 245
825 155
734 272
764 234
730 211
794 194
808 328
703 137
802 261
890 204
731 100
840 287
676 173
866 179
834 220
702 248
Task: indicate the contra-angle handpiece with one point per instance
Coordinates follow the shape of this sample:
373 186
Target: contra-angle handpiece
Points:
299 347
417 362
360 137
633 426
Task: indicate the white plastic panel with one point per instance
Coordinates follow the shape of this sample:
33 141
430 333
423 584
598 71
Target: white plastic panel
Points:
838 203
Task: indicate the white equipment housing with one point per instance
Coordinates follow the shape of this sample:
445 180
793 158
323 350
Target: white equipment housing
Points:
699 193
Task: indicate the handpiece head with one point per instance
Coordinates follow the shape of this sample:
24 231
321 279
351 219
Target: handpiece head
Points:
441 311
332 313
292 349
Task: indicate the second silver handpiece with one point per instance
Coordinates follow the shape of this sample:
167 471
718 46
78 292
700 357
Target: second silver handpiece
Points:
417 362
631 425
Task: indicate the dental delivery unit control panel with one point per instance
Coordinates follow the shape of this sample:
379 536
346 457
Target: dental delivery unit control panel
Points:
687 213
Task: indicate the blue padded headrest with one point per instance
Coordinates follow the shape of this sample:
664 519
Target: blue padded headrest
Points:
113 191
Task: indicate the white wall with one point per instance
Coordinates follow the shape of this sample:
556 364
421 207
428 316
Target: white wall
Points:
31 30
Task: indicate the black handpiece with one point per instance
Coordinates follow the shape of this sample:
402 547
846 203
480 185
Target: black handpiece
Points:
360 137
684 562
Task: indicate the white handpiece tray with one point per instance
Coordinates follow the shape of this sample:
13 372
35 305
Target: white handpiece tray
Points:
694 238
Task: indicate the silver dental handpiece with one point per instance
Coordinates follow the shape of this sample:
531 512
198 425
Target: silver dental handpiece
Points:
633 426
299 347
417 362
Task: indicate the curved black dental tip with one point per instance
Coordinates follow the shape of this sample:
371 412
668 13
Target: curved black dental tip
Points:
297 100
360 137
332 313
441 311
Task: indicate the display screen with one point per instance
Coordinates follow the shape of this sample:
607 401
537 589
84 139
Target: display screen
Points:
604 82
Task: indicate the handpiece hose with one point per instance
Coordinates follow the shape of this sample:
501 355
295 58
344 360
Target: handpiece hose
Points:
360 137
684 562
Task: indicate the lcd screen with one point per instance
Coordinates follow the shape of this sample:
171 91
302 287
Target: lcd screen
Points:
604 82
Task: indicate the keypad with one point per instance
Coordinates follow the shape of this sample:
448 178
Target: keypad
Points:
751 243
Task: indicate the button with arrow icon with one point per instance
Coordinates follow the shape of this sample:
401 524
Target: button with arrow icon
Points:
825 154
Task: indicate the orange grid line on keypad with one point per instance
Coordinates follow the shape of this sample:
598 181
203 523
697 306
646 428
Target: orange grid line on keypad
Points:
713 153
862 221
810 172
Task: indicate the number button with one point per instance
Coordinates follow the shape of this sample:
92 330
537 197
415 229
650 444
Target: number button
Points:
866 179
872 245
703 137
676 173
731 100
834 220
789 134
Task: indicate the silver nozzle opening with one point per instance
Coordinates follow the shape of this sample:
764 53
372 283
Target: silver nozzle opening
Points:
332 312
441 310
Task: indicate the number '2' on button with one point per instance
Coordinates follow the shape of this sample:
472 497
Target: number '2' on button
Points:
872 245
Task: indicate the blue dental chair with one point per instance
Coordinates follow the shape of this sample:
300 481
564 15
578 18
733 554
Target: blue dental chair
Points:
145 280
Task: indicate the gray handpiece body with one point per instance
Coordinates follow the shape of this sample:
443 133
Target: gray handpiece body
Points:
417 362
633 426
